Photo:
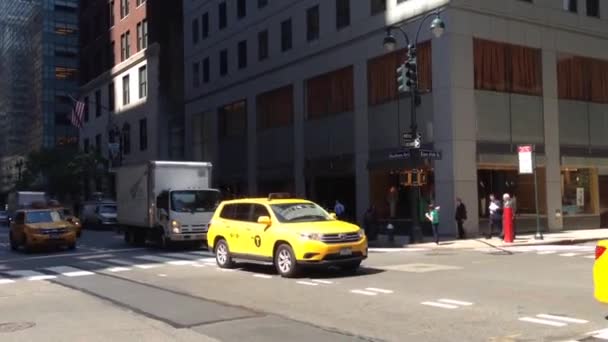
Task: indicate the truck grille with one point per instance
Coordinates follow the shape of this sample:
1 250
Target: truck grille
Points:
340 238
195 228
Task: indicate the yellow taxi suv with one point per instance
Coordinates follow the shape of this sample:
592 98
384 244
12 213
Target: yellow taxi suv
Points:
41 228
600 272
290 233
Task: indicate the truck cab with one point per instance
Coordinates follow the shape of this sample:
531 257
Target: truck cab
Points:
184 214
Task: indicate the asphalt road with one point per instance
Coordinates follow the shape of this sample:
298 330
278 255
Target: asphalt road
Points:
106 290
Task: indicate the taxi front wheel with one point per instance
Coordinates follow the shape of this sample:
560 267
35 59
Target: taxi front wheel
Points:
285 261
222 254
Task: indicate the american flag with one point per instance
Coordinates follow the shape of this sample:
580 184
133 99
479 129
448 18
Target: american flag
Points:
76 117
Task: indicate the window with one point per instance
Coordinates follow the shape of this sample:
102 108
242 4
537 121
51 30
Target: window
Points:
242 47
263 45
195 30
241 9
143 135
125 48
381 70
571 5
124 8
330 93
140 2
86 109
142 35
223 62
582 79
205 25
206 70
342 13
312 23
275 108
111 13
126 139
196 75
143 82
262 3
223 15
507 68
86 145
98 142
593 8
126 96
232 120
97 103
378 6
286 39
111 96
258 211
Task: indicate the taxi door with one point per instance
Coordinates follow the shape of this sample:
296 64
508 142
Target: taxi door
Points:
236 228
259 238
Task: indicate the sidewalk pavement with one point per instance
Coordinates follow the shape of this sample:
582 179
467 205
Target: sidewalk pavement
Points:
566 237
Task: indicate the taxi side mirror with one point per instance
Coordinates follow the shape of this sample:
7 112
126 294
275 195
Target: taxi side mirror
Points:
333 216
265 220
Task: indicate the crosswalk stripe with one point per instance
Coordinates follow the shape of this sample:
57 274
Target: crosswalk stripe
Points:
147 266
307 283
455 302
187 256
153 258
563 318
374 289
542 321
440 305
69 271
30 275
569 254
264 276
6 281
589 256
320 281
546 252
120 262
365 293
117 269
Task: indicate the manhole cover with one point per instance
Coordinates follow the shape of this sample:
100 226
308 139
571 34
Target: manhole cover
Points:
15 326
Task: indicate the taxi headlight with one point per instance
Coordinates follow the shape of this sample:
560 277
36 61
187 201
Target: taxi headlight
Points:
311 236
361 233
176 226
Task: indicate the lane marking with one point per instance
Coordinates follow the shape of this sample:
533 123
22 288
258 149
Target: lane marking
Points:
199 265
207 260
153 258
6 281
30 275
147 266
546 252
569 254
263 276
120 262
117 269
395 250
187 256
181 262
320 281
542 321
69 271
563 318
589 256
70 255
374 289
440 305
162 275
99 256
307 283
455 302
365 293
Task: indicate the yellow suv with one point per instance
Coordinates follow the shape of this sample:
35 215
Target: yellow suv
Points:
41 227
290 233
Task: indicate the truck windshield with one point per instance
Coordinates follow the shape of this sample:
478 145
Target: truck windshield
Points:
107 209
194 201
43 216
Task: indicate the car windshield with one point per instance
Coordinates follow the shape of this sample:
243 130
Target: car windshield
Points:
107 209
195 200
43 216
299 212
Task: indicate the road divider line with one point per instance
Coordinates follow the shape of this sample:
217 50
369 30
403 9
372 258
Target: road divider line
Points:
440 305
455 302
365 293
320 281
374 289
263 276
542 321
563 319
307 283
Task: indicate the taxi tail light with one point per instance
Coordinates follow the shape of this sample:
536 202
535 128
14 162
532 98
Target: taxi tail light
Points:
599 251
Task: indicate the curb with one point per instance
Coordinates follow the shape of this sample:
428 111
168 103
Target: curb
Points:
554 242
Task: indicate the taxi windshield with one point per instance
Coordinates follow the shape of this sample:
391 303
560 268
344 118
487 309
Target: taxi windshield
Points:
299 212
43 216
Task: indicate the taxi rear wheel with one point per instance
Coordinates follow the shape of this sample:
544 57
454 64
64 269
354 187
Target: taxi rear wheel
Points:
222 254
285 261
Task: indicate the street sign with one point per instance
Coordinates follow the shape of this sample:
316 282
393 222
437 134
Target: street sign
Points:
526 165
412 144
409 136
430 154
399 155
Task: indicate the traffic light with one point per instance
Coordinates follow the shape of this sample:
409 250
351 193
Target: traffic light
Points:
402 79
411 74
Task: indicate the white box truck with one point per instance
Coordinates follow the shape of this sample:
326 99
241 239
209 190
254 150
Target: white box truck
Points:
165 201
23 199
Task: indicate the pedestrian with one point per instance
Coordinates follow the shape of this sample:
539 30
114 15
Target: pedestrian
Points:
495 216
369 223
433 216
461 216
339 210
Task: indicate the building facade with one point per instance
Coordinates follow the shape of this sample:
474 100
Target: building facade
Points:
132 79
300 96
38 77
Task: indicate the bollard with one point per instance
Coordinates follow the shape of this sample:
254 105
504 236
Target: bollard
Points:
507 224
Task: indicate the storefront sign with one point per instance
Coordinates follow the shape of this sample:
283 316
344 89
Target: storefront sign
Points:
399 155
580 197
430 154
526 165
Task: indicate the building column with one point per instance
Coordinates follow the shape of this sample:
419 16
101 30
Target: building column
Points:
212 118
552 151
252 146
298 136
361 142
455 117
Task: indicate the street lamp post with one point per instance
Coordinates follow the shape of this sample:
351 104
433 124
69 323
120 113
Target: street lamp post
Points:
19 166
408 80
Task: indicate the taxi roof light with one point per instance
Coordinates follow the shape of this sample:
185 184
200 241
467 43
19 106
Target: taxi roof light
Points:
279 195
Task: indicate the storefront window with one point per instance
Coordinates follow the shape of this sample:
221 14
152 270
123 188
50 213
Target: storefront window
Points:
579 191
502 180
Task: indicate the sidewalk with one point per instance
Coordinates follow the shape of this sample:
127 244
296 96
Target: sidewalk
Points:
566 237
